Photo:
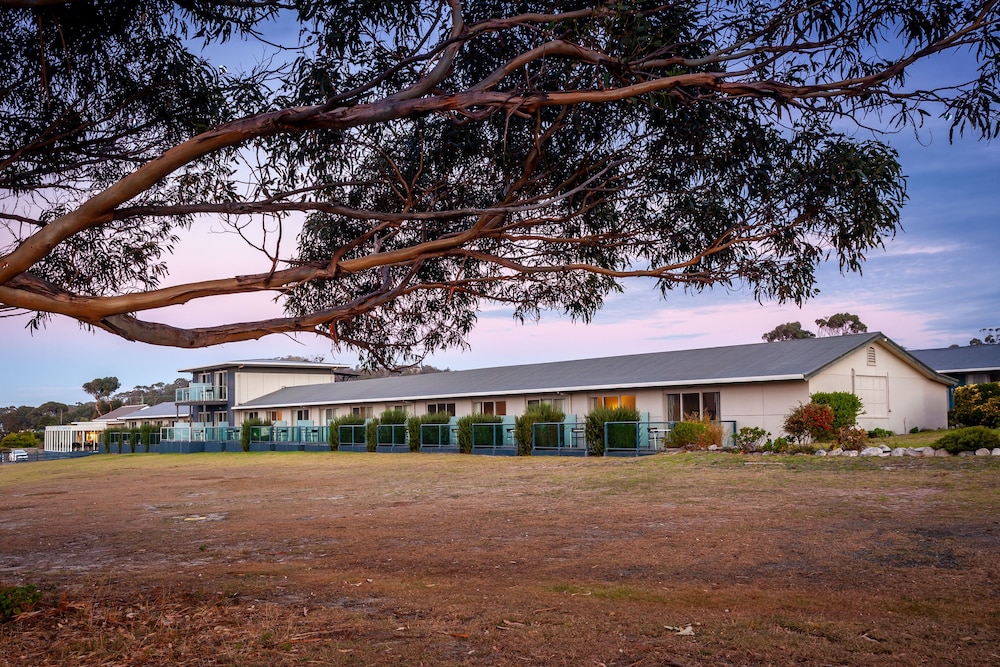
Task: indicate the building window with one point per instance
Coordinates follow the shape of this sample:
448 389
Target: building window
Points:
221 418
365 411
555 403
274 415
302 415
693 405
329 414
498 408
871 356
446 408
977 378
251 415
613 401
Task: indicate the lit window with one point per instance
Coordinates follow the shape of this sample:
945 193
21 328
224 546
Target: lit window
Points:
613 401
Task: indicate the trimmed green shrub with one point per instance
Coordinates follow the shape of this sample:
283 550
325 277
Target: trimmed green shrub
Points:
413 433
414 425
812 421
750 439
465 429
392 418
884 433
146 433
19 440
344 420
543 412
15 600
978 405
246 430
371 435
845 405
594 428
969 439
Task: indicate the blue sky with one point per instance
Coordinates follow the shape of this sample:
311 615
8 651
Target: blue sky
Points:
936 284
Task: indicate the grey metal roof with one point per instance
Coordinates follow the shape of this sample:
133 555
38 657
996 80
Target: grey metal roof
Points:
266 363
161 411
784 360
119 413
969 359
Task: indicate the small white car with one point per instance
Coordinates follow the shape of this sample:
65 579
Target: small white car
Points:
17 455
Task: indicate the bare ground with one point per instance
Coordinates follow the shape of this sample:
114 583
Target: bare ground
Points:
415 559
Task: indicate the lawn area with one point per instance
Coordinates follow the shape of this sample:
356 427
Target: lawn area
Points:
417 559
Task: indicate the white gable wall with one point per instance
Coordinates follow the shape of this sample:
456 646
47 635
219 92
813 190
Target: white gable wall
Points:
895 394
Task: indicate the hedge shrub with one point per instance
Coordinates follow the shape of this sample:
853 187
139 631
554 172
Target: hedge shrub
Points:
414 423
594 427
845 405
345 420
978 405
969 439
543 412
245 431
465 429
19 440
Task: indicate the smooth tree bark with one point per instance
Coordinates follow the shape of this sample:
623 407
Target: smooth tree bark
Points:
430 156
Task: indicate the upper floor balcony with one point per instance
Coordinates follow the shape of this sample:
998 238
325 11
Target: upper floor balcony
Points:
200 392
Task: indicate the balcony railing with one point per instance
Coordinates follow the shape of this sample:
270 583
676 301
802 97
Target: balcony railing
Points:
198 392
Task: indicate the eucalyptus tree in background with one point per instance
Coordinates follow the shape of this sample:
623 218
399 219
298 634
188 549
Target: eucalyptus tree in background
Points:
841 324
991 336
101 389
787 331
399 164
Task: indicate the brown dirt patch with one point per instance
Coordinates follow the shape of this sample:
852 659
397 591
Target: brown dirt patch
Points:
387 559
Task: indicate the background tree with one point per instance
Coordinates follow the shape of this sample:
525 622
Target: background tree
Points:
991 336
101 389
441 153
841 324
153 394
787 331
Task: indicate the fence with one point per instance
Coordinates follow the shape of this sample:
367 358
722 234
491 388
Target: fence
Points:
566 438
493 439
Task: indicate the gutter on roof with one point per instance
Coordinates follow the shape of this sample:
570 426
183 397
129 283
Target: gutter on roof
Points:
976 369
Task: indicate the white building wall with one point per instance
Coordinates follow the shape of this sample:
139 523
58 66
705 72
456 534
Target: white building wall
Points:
253 384
910 398
897 395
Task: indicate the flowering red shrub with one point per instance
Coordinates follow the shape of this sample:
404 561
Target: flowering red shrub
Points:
811 421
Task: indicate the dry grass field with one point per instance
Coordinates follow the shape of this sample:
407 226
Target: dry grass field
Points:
415 559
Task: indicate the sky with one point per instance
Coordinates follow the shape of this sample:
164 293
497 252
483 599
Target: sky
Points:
936 284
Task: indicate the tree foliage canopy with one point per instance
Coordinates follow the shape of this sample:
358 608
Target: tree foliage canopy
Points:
787 331
841 324
991 336
397 164
101 389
